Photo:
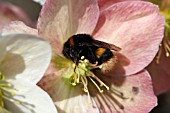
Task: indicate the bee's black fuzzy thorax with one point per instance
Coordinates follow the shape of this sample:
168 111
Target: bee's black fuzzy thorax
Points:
97 52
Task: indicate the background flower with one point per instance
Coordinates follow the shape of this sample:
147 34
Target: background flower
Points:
159 67
9 12
23 65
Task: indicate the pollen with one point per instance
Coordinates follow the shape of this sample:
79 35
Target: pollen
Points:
83 74
6 93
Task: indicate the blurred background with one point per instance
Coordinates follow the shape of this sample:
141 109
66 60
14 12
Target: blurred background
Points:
32 9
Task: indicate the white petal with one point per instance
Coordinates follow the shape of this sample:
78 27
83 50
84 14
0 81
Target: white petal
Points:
41 2
36 100
27 57
68 98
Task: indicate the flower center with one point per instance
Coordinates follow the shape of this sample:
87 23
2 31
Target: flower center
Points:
6 92
86 55
82 73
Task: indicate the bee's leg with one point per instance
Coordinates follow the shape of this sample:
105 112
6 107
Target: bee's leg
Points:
94 65
76 64
75 68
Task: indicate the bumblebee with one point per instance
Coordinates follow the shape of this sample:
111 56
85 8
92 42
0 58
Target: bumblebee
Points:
95 51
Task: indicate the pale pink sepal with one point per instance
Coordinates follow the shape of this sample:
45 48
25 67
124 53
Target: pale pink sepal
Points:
18 27
106 3
60 19
134 26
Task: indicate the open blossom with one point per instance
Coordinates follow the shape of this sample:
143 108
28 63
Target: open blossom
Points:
9 12
22 65
134 26
159 67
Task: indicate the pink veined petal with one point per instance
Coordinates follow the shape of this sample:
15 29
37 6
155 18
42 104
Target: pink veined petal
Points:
9 12
130 94
134 26
18 27
60 19
160 74
106 3
125 93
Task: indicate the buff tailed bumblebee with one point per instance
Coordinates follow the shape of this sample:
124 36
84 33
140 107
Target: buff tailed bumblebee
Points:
97 52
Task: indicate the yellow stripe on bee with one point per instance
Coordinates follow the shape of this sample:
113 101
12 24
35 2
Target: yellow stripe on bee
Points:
99 52
71 41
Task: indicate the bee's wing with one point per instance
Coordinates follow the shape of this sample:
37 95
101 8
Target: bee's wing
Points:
105 45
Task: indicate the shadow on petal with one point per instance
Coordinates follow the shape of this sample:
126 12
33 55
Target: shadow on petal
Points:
118 69
15 108
122 62
12 64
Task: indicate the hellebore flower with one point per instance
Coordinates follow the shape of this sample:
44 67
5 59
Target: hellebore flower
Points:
22 65
120 24
159 68
9 12
134 26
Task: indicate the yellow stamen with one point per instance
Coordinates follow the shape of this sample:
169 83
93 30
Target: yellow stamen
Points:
82 57
101 83
81 72
101 91
6 92
86 90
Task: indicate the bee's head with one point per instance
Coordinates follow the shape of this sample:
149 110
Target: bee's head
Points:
70 50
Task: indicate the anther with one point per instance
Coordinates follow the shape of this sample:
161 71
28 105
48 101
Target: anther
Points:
167 54
74 84
82 57
85 90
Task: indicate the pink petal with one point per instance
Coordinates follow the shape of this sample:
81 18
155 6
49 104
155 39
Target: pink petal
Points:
131 94
9 12
18 27
60 19
103 4
160 74
135 89
137 28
